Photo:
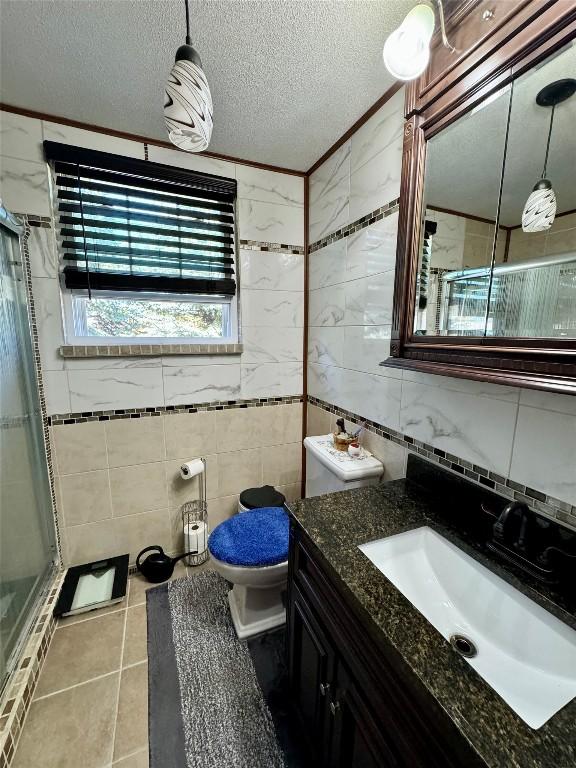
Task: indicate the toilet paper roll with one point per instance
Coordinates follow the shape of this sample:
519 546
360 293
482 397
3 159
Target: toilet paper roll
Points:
195 536
191 468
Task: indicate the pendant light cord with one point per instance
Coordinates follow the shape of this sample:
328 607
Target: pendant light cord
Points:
188 40
548 142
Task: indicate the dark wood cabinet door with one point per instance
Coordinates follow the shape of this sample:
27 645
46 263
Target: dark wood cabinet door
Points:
310 669
358 741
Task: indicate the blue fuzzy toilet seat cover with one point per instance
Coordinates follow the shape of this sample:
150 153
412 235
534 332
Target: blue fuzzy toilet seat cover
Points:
255 538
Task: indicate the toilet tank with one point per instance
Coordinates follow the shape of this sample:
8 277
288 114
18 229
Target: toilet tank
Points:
329 470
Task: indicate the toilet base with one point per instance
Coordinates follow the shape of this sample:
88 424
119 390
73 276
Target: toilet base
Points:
255 609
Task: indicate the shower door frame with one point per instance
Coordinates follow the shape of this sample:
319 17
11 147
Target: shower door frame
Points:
38 594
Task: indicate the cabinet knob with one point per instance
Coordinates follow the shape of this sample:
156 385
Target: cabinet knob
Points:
334 707
324 688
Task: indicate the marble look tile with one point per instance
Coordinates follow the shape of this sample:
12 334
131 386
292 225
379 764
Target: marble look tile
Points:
327 306
56 392
326 345
325 381
110 363
372 250
548 401
265 270
268 186
181 159
382 131
450 226
46 292
140 488
447 252
373 397
20 137
465 386
182 361
271 379
369 300
105 390
478 429
272 222
329 194
327 266
103 142
24 186
43 252
273 309
85 497
135 441
544 454
197 384
376 182
365 347
266 345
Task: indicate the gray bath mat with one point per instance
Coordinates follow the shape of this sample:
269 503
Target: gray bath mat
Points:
206 709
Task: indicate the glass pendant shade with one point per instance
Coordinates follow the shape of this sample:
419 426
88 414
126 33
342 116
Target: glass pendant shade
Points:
188 109
407 50
540 208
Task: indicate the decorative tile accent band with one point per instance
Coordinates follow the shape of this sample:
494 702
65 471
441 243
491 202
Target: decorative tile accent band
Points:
137 413
20 688
355 226
262 245
541 502
147 350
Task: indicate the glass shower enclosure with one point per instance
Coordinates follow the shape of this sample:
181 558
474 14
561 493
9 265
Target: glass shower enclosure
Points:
27 536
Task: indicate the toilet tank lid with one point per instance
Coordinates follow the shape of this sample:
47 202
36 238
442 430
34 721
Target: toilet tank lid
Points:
345 467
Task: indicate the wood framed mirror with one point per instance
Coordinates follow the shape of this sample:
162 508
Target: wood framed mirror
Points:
480 293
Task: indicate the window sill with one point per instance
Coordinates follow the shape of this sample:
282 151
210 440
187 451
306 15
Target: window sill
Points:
147 350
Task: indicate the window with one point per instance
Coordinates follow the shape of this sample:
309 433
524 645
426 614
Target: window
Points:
146 250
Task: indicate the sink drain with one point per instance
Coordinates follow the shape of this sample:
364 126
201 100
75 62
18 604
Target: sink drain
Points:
464 646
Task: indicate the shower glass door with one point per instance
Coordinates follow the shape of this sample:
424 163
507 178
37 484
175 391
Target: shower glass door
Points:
27 542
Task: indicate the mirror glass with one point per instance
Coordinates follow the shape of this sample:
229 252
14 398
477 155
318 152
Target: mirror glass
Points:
480 277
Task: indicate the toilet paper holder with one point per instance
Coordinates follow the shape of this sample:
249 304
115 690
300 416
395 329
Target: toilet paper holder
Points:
195 523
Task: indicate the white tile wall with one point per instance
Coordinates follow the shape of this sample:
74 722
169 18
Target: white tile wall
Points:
270 207
527 435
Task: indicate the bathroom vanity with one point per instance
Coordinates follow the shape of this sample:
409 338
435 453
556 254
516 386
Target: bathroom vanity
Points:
373 683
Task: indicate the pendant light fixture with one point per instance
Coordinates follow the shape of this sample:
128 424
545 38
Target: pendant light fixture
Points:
188 103
540 208
407 50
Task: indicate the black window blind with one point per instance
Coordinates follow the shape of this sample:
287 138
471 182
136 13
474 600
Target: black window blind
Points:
132 225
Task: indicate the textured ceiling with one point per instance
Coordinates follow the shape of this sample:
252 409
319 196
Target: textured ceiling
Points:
288 77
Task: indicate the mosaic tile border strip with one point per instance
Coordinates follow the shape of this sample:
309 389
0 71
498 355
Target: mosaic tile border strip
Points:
166 410
25 254
20 689
263 245
147 350
364 221
541 502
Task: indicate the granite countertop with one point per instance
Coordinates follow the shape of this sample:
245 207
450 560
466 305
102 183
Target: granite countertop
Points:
337 523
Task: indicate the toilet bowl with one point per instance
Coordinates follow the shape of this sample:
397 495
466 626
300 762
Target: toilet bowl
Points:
251 552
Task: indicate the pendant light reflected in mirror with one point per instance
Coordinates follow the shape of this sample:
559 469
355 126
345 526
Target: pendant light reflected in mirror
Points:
540 208
188 106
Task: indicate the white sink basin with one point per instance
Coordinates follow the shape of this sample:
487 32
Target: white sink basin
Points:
527 655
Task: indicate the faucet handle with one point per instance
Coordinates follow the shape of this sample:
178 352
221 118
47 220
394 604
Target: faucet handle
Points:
515 508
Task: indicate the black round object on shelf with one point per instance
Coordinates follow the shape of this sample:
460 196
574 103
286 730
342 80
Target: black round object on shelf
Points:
266 496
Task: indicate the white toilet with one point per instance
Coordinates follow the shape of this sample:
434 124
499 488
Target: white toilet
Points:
329 470
250 550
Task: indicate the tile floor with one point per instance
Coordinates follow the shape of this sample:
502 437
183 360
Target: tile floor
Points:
90 708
